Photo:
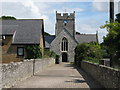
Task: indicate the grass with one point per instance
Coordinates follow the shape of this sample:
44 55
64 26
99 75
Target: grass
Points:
92 60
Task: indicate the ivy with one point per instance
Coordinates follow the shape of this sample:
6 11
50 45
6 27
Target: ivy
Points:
33 51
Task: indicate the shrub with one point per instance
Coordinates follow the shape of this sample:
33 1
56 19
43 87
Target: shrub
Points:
48 53
81 52
88 51
33 51
95 50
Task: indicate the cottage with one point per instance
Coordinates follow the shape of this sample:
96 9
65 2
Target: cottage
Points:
16 34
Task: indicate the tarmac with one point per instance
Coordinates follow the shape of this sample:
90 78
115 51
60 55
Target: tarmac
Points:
64 75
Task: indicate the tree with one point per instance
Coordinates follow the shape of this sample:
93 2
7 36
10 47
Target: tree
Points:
88 51
112 40
77 33
118 17
7 18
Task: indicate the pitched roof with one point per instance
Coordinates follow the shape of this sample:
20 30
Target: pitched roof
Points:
86 38
25 31
8 29
70 35
48 40
47 45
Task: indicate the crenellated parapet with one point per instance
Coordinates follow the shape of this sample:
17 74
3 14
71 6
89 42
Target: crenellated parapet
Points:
65 15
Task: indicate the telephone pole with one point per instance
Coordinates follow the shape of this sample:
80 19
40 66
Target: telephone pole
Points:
112 11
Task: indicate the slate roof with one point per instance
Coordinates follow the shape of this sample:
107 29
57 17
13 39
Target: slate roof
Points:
78 38
48 40
86 38
25 31
47 45
8 29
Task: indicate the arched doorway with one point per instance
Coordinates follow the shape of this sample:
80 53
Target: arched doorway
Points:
64 57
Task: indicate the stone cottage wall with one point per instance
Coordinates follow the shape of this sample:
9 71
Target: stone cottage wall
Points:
106 76
14 72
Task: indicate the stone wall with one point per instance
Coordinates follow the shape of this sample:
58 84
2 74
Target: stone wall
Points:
15 72
106 76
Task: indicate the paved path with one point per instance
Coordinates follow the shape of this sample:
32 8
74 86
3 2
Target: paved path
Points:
63 75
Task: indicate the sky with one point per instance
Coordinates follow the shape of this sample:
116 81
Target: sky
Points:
89 15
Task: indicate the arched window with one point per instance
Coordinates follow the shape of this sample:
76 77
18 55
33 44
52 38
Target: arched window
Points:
64 44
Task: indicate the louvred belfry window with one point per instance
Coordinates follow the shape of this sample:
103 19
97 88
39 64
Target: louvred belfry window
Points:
64 44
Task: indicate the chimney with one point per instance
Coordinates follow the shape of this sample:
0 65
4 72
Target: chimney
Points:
111 10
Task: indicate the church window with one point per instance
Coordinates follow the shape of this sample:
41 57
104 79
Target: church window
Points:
64 44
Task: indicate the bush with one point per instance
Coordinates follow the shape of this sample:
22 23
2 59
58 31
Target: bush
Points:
48 53
33 52
95 50
88 51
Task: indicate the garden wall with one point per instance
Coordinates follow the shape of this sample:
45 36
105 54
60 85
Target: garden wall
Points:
14 72
106 76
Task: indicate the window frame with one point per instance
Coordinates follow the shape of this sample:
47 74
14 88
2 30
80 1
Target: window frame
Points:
64 45
18 50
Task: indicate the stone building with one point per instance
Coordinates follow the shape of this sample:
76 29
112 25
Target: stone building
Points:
65 39
16 34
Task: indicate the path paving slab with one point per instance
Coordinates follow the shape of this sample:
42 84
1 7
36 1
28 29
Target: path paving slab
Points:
63 75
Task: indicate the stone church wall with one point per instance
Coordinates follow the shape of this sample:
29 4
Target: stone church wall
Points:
15 72
106 76
56 46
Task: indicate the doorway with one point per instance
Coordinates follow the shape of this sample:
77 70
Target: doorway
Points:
64 57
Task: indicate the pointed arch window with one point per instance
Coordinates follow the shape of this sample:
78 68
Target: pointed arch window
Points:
64 44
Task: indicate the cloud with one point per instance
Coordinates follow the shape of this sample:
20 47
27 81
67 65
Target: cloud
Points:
100 6
104 6
36 12
31 9
90 29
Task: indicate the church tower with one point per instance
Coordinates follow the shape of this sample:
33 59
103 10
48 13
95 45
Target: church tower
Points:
65 21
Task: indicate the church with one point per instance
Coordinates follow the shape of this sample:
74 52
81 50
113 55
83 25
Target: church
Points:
66 39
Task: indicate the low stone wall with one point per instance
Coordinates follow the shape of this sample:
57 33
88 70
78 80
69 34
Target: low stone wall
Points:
106 76
14 72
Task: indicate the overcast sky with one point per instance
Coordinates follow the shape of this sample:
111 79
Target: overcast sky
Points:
89 15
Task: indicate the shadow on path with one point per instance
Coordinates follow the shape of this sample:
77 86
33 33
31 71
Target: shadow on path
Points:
93 84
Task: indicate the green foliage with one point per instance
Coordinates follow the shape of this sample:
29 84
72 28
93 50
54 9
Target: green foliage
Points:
7 18
81 51
33 51
88 50
95 50
93 60
105 49
48 53
77 33
112 41
46 34
118 17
